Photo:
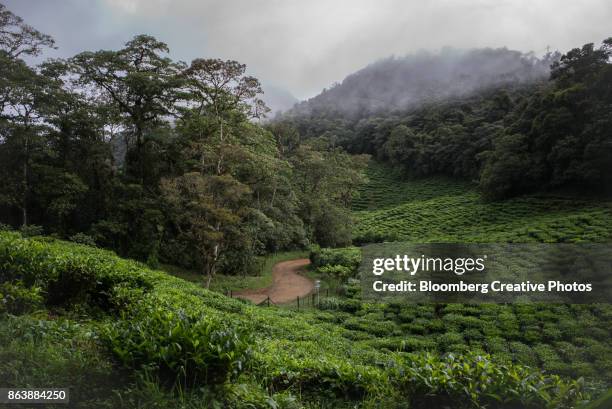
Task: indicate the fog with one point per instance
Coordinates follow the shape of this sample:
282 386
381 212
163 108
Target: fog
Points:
300 47
404 82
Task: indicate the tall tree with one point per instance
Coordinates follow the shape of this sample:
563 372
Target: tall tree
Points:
222 98
18 39
143 85
23 94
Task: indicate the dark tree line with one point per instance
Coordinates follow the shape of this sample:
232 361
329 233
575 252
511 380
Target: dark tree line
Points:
511 139
158 159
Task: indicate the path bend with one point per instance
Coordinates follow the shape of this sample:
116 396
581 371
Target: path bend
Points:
287 284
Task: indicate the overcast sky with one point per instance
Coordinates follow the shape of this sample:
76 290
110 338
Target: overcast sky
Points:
303 46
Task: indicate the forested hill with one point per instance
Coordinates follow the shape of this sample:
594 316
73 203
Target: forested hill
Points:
400 83
490 116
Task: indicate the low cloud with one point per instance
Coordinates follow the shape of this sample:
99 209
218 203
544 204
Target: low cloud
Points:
305 46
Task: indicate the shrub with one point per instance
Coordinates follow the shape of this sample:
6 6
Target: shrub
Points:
335 272
450 338
17 299
339 304
523 354
31 230
349 257
69 274
471 380
180 347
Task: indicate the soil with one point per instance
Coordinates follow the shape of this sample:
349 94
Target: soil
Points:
287 284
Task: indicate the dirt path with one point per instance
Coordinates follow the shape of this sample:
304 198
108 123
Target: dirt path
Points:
286 286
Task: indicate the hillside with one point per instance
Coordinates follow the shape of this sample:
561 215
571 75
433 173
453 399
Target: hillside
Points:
475 118
399 83
438 209
141 194
83 317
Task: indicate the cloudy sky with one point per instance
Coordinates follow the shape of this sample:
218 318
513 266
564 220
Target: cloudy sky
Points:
303 46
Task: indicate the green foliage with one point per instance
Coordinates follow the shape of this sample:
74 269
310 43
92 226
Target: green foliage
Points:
349 257
183 348
68 274
83 238
31 230
17 299
483 384
335 272
160 160
440 210
512 138
177 333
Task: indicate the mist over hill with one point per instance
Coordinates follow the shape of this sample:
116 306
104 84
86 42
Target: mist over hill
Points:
398 83
277 99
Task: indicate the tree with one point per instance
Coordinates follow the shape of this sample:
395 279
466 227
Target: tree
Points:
143 85
219 142
205 210
222 89
18 39
26 94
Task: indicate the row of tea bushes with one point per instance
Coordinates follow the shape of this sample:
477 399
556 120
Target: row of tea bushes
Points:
189 339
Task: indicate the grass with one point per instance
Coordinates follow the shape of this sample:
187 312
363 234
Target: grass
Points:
225 283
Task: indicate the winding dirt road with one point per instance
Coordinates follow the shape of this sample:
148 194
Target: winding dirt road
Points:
287 284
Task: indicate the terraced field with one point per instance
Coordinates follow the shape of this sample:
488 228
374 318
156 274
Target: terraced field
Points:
443 210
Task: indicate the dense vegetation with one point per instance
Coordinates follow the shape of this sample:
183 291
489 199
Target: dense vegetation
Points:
511 137
570 340
185 346
156 159
164 162
440 209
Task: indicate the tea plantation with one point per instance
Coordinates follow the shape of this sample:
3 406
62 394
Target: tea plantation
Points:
122 335
443 210
570 340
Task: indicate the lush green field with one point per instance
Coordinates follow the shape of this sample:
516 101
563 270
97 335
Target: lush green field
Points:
442 210
122 335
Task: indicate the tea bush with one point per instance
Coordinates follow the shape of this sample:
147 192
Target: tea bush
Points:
68 275
442 210
183 348
483 384
349 257
161 330
17 299
334 272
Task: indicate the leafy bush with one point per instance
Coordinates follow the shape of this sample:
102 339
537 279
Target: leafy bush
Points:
305 354
182 348
476 381
339 304
349 257
31 230
441 210
69 273
17 299
335 272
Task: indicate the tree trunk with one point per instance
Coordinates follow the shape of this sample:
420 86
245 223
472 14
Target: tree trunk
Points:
25 186
273 195
139 153
220 160
209 279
